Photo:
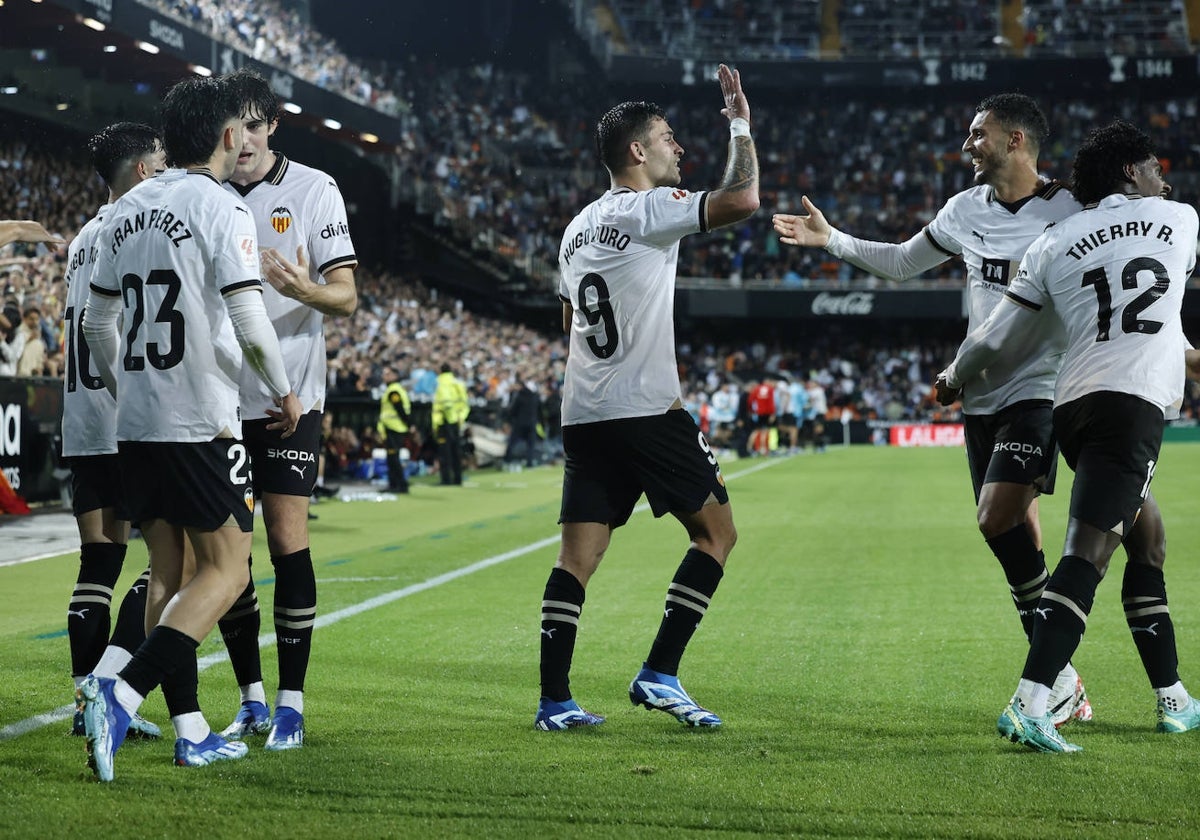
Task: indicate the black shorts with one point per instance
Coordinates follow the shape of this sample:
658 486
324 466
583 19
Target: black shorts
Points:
96 484
1111 441
610 464
787 421
1016 445
195 485
284 465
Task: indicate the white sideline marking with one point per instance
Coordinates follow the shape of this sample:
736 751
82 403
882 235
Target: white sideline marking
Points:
23 727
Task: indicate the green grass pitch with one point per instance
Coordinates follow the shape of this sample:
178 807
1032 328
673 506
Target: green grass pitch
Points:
859 650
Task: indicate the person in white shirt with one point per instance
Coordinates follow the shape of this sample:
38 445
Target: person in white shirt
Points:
625 431
299 215
1006 410
178 264
1113 276
123 154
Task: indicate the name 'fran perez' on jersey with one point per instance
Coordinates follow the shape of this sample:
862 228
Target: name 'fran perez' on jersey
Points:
161 220
599 235
1114 232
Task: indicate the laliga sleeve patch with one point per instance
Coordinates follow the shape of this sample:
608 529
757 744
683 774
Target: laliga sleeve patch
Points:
248 251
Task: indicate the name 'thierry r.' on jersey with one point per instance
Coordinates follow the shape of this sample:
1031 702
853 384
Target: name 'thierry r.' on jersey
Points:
1115 274
617 264
295 205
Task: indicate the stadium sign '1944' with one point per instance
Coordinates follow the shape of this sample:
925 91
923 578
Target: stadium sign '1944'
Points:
853 303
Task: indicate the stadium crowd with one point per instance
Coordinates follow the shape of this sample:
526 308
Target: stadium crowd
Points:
496 154
278 36
506 177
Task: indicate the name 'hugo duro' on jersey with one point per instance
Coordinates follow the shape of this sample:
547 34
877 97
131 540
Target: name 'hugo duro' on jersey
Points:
992 237
617 265
1115 275
89 425
295 205
171 248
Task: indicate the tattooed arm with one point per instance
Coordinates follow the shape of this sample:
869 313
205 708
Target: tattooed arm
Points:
736 197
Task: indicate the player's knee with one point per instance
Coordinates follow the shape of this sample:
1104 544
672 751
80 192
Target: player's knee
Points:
994 520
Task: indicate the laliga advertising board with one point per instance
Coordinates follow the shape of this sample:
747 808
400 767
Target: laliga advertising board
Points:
30 418
941 434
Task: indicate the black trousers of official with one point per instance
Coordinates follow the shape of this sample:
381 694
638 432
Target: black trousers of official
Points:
397 480
450 453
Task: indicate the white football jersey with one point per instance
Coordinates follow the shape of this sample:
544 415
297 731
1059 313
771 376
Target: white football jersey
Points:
171 248
89 425
1115 275
295 205
617 267
992 240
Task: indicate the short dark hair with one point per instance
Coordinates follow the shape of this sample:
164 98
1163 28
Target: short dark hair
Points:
120 145
194 113
255 95
1016 110
620 126
446 367
1099 167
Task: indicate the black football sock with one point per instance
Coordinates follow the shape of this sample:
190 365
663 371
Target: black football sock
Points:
88 613
164 650
1144 597
180 686
1061 619
295 615
239 629
562 603
1024 568
130 631
688 597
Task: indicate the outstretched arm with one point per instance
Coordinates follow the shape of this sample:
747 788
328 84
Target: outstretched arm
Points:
736 197
12 230
883 259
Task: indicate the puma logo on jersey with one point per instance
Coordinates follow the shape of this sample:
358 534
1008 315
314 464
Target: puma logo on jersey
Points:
1149 629
977 233
82 614
299 470
549 632
1024 462
1044 612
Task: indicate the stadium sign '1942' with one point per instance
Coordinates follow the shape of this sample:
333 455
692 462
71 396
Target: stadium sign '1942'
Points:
853 303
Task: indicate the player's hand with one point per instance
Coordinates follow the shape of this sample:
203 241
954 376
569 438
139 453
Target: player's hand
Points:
944 393
288 278
287 417
731 88
27 231
811 230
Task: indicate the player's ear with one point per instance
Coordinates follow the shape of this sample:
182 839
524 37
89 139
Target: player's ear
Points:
274 124
637 151
230 139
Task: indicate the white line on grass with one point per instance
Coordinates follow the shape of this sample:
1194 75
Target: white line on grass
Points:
15 730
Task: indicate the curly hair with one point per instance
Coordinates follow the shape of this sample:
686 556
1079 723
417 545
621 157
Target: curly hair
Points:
118 146
620 126
1016 110
1099 167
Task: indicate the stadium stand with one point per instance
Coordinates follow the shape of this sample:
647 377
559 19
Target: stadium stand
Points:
490 166
278 36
